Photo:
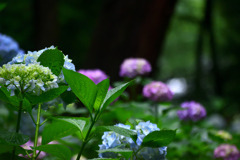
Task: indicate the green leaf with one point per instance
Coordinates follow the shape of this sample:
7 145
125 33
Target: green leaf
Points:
126 153
68 97
56 150
6 156
8 148
101 93
119 130
160 138
83 87
78 122
5 96
56 130
46 96
12 138
3 92
2 6
53 59
26 105
113 94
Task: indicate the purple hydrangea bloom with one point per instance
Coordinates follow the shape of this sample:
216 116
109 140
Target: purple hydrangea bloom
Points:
132 67
96 75
157 91
192 111
227 152
8 49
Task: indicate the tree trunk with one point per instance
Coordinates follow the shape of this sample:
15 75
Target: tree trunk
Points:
126 28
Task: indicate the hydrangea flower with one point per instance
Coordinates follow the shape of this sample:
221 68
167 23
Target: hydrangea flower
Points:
32 78
192 111
28 146
33 82
227 152
157 91
96 75
8 49
112 139
133 67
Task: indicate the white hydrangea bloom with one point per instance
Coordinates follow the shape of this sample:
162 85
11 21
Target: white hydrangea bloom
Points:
27 78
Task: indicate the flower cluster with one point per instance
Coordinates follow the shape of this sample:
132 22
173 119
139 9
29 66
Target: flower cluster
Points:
27 75
157 91
112 139
8 49
133 67
227 152
31 58
96 75
32 78
192 111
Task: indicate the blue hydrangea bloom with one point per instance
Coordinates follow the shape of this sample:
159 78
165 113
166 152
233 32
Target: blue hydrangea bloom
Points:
9 48
112 140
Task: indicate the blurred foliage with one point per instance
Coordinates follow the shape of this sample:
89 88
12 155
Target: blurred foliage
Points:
77 21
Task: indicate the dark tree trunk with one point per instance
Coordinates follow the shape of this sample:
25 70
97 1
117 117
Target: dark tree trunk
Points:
126 28
206 32
45 23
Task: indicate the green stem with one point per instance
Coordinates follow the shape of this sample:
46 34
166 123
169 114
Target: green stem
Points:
135 153
86 138
32 118
18 126
36 132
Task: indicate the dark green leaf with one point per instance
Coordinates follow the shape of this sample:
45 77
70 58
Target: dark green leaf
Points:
26 105
113 94
5 96
68 97
78 122
101 93
2 6
83 87
53 59
46 96
8 156
12 138
56 130
126 153
8 148
56 150
160 138
119 130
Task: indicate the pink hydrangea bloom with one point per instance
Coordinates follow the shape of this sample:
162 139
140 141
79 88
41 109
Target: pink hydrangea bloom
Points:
96 75
132 67
227 152
157 91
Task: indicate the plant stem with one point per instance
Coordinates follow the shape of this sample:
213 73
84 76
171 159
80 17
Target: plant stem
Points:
86 138
36 132
18 126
